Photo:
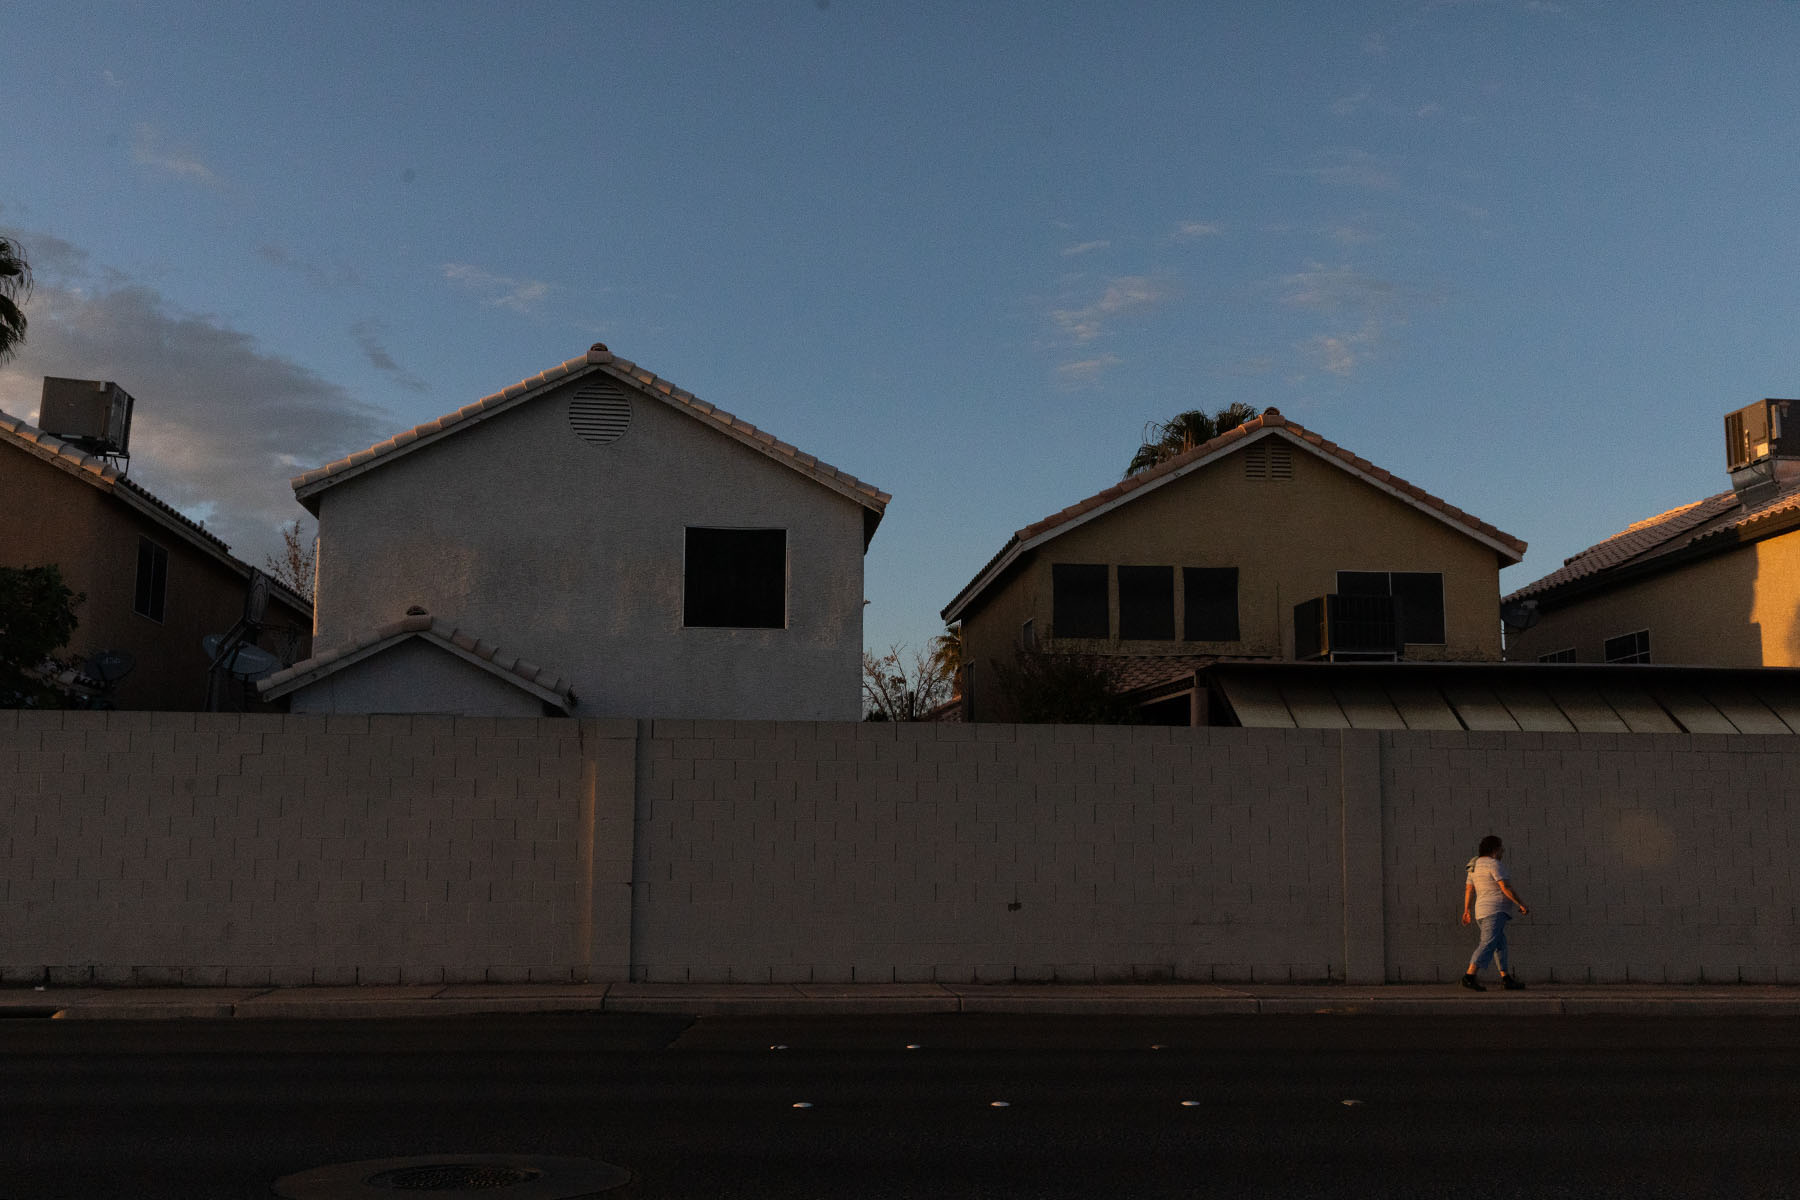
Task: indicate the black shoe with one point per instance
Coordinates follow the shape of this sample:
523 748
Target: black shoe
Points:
1473 984
1511 984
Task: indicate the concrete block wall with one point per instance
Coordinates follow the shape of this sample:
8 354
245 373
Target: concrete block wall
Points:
1643 858
833 853
280 849
199 848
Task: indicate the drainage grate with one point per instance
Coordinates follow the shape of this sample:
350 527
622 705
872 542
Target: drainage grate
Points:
454 1177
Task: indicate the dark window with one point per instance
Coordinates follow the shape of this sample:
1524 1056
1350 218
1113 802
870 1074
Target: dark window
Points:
1629 647
1210 604
1418 596
152 580
1078 600
1147 603
1558 656
736 578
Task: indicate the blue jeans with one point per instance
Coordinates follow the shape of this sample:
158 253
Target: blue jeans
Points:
1493 943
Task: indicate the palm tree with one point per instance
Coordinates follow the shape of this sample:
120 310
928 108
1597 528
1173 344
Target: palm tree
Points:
1163 440
15 285
946 656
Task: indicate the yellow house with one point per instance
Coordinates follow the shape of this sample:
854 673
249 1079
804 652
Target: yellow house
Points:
1712 583
1266 542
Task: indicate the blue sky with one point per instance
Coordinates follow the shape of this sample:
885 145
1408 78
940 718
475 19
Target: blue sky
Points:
1525 254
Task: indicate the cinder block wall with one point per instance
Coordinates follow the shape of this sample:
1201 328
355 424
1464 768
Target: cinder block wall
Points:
1650 858
272 849
832 853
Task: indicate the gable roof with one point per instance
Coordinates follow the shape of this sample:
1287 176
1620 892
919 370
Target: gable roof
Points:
1269 424
597 361
1668 539
540 682
105 475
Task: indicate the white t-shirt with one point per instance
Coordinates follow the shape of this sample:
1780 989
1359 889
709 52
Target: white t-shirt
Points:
1486 874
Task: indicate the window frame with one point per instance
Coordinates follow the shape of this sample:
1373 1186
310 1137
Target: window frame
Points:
691 588
150 595
1640 653
1148 591
1443 616
1565 655
1068 571
1189 607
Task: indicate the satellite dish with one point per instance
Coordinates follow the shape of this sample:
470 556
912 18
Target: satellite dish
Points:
247 661
1519 615
109 666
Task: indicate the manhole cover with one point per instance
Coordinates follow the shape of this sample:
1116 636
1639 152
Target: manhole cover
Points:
513 1176
454 1177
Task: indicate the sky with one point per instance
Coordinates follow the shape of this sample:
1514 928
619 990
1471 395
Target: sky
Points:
1525 254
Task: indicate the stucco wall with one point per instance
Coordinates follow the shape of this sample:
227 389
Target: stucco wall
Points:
570 554
414 677
1288 539
1737 609
285 849
48 516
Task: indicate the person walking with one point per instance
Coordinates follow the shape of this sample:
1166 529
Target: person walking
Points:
1490 888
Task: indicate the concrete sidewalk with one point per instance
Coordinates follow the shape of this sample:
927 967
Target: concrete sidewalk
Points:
1144 999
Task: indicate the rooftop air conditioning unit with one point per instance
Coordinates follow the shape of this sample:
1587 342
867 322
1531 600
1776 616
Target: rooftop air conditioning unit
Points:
1755 433
92 413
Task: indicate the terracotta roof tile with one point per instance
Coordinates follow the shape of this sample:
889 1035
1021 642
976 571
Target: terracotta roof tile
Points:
510 667
1270 420
1664 534
309 483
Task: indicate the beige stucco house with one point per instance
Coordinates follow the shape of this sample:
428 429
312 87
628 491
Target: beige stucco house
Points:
592 540
1711 583
155 582
1267 542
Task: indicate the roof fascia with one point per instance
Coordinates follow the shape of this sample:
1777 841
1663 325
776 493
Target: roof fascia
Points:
1707 545
363 653
996 569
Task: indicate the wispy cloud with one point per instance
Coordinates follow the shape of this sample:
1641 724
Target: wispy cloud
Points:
147 150
368 333
1084 248
1355 309
1345 106
111 79
1087 371
1125 296
221 423
319 275
500 291
1191 231
1353 169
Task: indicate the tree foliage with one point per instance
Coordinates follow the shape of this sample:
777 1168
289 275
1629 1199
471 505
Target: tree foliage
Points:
947 656
293 567
904 685
37 618
1062 689
15 286
1163 440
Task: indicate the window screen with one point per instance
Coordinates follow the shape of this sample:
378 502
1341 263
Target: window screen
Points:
152 580
1629 647
736 578
1210 604
1147 603
1420 596
1078 600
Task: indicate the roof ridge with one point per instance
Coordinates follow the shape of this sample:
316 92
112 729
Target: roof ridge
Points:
599 356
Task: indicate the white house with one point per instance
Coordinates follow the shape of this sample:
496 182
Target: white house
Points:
591 540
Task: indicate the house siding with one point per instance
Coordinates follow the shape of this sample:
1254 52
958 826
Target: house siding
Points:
1288 539
570 554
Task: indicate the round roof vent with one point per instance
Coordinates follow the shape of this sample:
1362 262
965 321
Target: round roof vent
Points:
599 413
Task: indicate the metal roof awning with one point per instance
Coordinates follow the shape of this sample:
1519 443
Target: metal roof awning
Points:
1530 697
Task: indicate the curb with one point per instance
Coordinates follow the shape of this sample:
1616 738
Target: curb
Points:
801 1000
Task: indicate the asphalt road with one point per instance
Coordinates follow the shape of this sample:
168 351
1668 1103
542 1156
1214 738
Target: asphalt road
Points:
1256 1106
